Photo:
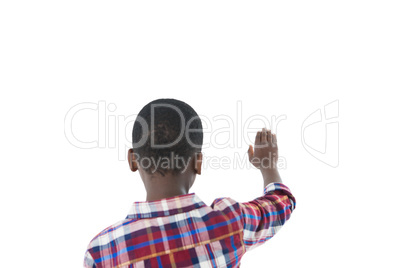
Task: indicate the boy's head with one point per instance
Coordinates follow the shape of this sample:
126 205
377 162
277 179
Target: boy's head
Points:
167 139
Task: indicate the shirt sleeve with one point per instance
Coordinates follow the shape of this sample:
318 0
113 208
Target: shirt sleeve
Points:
89 261
264 216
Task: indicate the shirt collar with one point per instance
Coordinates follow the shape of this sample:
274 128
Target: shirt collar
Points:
165 207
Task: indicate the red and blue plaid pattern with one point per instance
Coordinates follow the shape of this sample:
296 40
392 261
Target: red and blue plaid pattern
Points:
184 232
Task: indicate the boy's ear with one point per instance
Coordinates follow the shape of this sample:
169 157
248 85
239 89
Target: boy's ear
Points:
198 163
132 161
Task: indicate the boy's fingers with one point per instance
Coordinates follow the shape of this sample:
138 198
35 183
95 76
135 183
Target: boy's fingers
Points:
250 152
269 137
274 141
258 138
264 136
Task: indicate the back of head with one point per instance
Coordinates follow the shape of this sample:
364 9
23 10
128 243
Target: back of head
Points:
166 134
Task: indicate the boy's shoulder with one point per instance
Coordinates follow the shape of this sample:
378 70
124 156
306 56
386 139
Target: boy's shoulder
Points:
222 203
104 237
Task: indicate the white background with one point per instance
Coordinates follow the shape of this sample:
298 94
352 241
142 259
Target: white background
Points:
278 58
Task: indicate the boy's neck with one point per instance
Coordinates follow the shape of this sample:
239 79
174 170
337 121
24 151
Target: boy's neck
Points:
153 196
160 187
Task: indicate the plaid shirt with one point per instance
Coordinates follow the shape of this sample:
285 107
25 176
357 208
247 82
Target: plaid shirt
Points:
184 232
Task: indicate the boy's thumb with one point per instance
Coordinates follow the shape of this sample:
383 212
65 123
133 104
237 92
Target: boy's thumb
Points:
250 152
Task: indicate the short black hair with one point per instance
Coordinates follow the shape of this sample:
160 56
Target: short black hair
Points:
176 130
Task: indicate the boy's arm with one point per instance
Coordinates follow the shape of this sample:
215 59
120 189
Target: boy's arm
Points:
264 216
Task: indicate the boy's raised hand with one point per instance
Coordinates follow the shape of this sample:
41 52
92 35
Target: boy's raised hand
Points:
264 156
265 152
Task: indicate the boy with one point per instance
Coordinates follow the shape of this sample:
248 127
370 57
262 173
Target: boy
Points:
173 228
